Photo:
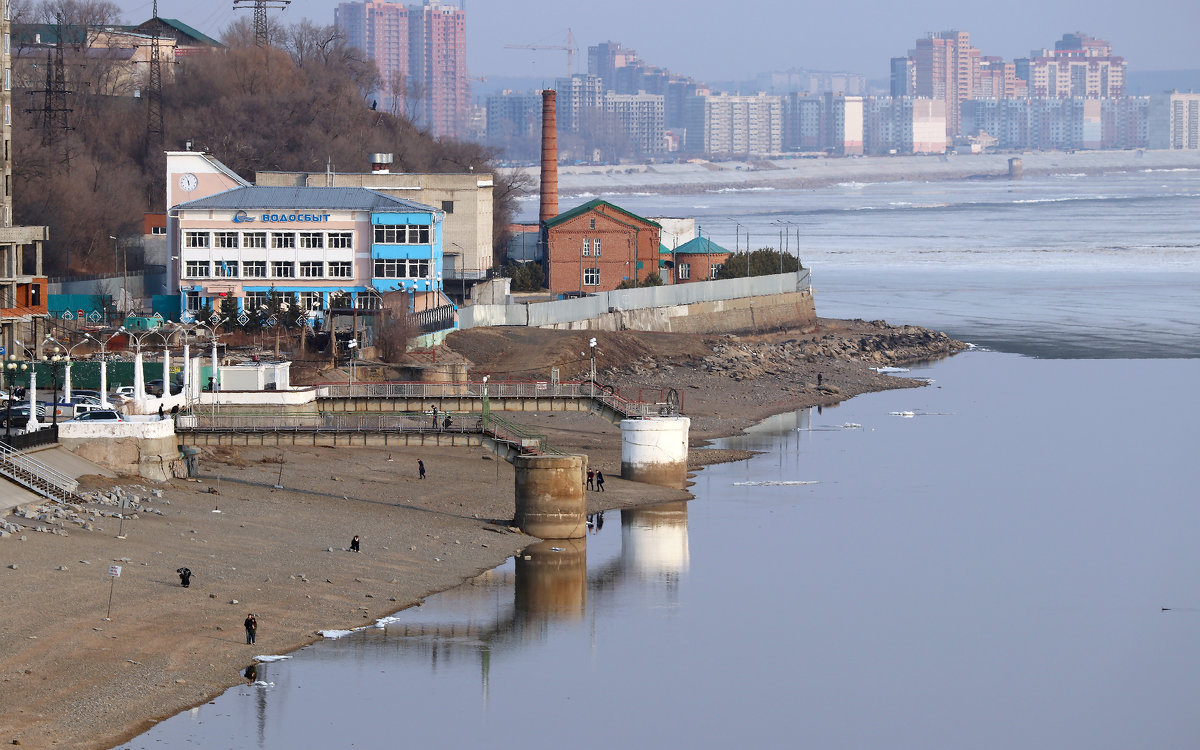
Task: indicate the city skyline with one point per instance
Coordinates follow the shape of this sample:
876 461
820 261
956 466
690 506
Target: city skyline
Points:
1152 36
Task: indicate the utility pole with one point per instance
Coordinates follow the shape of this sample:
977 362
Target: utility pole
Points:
260 16
155 135
54 96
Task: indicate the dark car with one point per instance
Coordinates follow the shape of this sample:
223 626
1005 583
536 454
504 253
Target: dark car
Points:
155 387
100 415
18 416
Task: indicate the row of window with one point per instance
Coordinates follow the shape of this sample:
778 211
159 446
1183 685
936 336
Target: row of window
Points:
684 271
257 269
401 234
304 300
591 247
258 240
402 268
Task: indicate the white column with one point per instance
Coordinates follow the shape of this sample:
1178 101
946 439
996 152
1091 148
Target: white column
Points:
139 379
216 376
166 372
67 382
33 425
104 384
187 374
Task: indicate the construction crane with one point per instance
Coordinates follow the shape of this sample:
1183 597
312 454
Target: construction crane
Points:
569 48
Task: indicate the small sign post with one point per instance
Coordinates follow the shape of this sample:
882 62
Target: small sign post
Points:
114 572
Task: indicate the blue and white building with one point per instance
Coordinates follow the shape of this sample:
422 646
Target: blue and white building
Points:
319 247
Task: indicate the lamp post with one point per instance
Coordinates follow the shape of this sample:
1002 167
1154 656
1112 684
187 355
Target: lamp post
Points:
33 425
67 361
54 359
12 368
104 366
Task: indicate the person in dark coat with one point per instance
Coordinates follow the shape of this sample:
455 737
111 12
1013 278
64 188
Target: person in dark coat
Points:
591 479
251 625
354 544
185 577
421 467
599 481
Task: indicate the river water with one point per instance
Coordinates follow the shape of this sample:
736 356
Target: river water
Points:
980 563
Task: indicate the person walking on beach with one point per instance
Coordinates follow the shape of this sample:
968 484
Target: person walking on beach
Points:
591 479
185 577
251 625
421 467
599 481
354 544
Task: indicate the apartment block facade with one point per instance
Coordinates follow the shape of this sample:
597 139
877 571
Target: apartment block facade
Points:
735 125
422 59
1175 121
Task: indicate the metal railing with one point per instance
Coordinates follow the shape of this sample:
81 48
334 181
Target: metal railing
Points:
37 476
503 430
329 422
500 390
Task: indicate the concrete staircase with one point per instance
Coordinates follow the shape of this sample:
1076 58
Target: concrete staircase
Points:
50 483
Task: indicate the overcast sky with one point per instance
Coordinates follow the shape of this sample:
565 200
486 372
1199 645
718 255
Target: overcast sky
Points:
734 40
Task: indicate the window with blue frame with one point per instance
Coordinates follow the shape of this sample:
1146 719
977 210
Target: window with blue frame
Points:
401 234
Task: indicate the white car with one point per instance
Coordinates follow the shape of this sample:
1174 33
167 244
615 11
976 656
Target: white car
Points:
100 415
124 392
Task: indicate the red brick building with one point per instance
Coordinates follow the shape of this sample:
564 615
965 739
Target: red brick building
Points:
697 259
596 246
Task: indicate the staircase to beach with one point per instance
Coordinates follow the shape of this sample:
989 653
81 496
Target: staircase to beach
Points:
21 468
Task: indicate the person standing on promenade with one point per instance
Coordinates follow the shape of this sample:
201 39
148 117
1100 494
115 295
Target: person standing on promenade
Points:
354 544
251 625
599 481
421 467
435 418
591 479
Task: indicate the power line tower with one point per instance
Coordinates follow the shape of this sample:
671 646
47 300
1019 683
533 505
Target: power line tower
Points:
260 15
54 96
155 133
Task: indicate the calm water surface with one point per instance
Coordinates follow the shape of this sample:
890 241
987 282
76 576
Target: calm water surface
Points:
989 573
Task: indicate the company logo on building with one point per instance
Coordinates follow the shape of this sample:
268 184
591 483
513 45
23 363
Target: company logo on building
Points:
277 218
242 217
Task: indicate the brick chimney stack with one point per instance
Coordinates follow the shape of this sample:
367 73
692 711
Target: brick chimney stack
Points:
549 187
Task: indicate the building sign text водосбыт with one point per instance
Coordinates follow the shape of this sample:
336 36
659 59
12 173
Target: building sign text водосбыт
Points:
280 218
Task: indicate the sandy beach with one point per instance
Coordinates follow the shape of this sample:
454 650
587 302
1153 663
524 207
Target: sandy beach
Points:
72 677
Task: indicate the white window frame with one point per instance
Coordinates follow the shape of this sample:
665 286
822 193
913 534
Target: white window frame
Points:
591 277
340 240
253 301
201 240
283 240
197 269
341 269
254 269
226 269
312 240
225 240
596 247
312 269
254 240
587 247
277 265
683 271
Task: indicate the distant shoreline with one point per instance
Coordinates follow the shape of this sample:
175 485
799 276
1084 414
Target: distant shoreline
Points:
801 173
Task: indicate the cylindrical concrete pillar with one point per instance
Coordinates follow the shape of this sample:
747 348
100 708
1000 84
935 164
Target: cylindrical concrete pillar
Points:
549 496
655 451
552 580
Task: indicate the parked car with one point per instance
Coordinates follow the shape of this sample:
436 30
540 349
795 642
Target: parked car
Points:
81 398
125 391
84 392
155 388
100 415
18 416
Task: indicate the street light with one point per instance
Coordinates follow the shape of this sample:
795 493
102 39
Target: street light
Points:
12 368
54 359
67 359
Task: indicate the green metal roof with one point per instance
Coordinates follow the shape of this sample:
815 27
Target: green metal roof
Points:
193 33
578 210
700 246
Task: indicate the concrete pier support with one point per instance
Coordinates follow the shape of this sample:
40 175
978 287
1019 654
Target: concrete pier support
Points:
655 451
549 496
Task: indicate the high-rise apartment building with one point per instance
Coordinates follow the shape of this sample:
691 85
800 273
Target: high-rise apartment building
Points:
641 115
735 125
1175 121
946 68
1079 65
421 53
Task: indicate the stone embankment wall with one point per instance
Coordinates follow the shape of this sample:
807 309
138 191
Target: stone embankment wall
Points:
729 306
147 449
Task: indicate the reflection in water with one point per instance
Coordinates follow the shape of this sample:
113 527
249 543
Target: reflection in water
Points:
654 542
551 582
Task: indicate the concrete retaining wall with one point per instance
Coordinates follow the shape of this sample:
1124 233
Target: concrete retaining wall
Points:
760 302
139 448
